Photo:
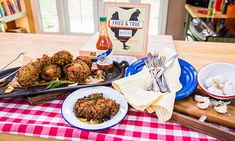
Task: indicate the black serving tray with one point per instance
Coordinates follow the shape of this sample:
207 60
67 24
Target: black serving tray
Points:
115 73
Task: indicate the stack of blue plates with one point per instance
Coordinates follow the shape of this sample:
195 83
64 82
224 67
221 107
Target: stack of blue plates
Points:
188 77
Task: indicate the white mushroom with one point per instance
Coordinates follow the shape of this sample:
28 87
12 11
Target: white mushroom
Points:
226 103
221 109
209 82
203 102
219 79
221 106
199 98
229 88
203 105
215 90
216 102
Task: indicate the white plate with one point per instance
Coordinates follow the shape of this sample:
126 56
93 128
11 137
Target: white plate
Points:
69 115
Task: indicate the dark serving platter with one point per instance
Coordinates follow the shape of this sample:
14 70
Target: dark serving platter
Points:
115 73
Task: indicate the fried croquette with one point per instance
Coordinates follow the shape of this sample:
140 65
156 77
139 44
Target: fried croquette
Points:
77 71
41 62
51 72
62 58
45 60
60 66
85 59
27 75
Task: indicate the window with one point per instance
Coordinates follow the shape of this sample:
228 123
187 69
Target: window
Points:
49 16
154 15
74 17
81 15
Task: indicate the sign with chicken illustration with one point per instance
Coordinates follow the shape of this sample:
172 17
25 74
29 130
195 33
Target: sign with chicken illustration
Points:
128 25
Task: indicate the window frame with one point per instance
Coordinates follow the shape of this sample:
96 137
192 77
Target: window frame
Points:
64 22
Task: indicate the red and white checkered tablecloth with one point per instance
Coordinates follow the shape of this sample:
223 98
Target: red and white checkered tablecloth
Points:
45 120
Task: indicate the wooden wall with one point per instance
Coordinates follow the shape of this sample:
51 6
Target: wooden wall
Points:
176 19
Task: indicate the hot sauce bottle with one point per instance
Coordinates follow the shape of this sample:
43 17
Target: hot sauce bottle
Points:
104 47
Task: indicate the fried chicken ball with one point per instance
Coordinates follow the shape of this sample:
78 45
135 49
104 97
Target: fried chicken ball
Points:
51 72
45 60
27 75
85 59
77 71
41 62
62 58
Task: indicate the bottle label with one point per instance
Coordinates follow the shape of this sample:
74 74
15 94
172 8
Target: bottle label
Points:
104 57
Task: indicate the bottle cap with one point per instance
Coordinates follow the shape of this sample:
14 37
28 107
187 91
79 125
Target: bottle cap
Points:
103 19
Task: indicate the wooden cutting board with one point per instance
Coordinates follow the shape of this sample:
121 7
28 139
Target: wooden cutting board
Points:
204 127
188 107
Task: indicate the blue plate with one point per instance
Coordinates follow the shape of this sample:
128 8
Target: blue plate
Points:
188 77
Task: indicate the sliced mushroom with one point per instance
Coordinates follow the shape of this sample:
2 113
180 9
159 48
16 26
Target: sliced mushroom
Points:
216 102
203 102
199 98
221 109
220 106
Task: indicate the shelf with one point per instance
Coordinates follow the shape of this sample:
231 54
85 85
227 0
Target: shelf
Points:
193 11
13 17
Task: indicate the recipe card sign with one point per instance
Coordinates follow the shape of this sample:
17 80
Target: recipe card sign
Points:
128 25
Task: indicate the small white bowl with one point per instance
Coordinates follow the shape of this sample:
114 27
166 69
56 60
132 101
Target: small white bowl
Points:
226 70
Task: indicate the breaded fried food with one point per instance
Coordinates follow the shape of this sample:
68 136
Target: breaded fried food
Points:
41 62
77 71
45 60
51 72
96 107
85 59
62 58
28 74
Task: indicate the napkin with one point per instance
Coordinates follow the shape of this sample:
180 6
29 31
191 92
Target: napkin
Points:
134 89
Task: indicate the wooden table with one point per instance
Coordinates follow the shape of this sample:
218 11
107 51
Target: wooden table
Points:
197 53
35 45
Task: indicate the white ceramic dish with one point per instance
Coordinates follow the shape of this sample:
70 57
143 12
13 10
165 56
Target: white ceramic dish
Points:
226 70
69 115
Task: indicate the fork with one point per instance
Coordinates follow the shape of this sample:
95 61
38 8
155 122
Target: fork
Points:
162 77
22 53
166 65
153 86
159 64
154 63
2 80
